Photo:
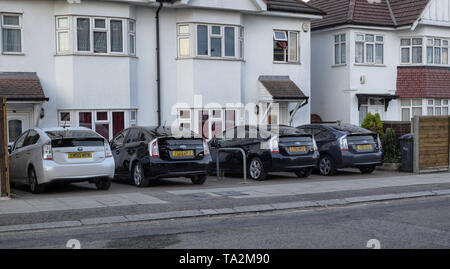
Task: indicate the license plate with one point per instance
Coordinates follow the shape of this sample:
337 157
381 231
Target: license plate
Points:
297 149
185 153
80 155
364 147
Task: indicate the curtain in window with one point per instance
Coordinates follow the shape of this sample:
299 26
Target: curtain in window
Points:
100 42
379 52
359 52
369 53
417 55
293 46
444 55
116 36
118 122
12 40
83 37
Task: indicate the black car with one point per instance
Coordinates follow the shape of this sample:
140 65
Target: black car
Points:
145 153
268 149
345 145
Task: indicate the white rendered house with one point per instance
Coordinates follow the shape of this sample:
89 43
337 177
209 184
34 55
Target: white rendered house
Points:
95 63
389 58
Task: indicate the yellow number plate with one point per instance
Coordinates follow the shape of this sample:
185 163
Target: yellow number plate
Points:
80 155
186 153
297 149
364 147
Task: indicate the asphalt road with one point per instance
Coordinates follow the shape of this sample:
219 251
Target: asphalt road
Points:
416 223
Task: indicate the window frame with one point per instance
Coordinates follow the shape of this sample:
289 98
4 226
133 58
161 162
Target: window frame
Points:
131 34
339 44
100 30
288 47
12 27
410 48
365 44
441 48
66 30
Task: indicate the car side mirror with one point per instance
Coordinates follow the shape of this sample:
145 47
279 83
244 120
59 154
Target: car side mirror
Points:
9 149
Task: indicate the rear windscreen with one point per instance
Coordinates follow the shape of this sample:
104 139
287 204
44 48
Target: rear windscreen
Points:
355 138
77 142
72 134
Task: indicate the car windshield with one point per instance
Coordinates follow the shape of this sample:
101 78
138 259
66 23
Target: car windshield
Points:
72 134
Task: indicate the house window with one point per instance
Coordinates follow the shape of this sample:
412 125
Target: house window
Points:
65 118
437 107
62 34
216 41
437 51
411 108
340 49
132 37
285 46
369 49
116 36
411 50
100 36
11 33
184 118
83 35
230 41
184 41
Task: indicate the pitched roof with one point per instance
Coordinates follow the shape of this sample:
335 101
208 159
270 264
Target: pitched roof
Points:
282 87
388 13
293 6
423 82
21 86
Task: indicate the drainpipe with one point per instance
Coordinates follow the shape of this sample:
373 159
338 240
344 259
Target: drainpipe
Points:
158 63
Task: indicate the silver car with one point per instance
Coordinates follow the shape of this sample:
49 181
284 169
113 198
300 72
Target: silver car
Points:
43 156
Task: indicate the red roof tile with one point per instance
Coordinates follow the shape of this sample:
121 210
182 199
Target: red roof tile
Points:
423 82
21 86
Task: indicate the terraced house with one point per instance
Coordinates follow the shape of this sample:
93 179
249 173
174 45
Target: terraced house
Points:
108 65
388 57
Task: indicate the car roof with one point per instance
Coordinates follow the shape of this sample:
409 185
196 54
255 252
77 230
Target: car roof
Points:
165 131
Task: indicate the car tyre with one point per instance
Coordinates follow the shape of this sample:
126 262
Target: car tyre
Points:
367 169
35 187
138 176
303 173
256 169
198 180
103 184
327 166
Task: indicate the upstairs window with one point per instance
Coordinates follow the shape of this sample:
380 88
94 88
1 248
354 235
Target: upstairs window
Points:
437 51
95 35
215 41
369 49
11 33
285 46
411 50
340 49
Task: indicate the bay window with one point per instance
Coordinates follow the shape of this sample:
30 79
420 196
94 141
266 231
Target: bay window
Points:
107 123
285 46
184 41
417 107
411 50
95 35
369 49
437 51
11 25
437 107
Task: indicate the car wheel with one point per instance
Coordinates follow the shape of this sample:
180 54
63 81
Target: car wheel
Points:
138 176
256 169
103 184
198 180
35 187
367 169
302 173
326 166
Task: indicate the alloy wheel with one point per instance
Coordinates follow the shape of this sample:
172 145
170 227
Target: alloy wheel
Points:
137 175
325 166
255 169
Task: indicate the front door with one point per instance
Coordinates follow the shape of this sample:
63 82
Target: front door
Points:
377 106
17 124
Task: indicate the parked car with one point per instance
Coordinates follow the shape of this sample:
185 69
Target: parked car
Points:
345 145
146 153
43 156
285 149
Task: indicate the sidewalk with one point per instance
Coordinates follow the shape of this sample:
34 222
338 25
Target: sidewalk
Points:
149 204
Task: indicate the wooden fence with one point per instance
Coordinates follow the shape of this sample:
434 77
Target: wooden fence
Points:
4 173
431 144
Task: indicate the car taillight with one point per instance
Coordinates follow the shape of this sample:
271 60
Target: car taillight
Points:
108 152
154 148
343 143
315 145
273 144
47 153
205 148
